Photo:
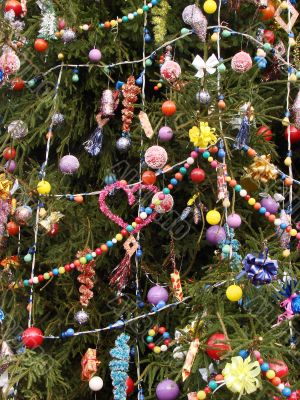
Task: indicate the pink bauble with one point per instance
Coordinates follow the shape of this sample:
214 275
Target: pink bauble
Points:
270 204
166 204
69 164
156 294
170 70
95 55
215 234
61 24
10 62
167 390
234 221
241 62
165 134
23 214
156 157
10 166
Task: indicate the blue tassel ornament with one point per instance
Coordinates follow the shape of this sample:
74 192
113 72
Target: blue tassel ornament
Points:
243 134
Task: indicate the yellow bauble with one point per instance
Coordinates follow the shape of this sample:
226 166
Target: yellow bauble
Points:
234 293
43 187
157 350
201 395
214 38
213 217
210 6
151 332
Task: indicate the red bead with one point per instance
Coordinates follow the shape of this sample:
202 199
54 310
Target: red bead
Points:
161 330
272 218
294 134
53 230
288 228
67 268
124 233
257 206
276 381
247 197
269 36
207 389
232 183
260 361
129 386
213 149
197 175
149 177
178 176
152 206
9 153
138 220
98 251
156 88
167 342
265 132
18 84
268 12
50 273
41 278
151 346
32 337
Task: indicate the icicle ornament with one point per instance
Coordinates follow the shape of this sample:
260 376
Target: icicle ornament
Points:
193 16
48 26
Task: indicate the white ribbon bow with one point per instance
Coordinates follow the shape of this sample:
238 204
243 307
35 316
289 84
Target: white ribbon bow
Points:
209 66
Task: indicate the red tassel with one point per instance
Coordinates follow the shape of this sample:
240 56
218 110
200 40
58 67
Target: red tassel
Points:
121 274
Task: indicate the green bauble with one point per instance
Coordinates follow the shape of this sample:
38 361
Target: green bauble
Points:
75 78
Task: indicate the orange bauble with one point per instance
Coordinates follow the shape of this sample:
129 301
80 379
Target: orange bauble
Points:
168 108
78 198
149 177
12 228
40 45
268 12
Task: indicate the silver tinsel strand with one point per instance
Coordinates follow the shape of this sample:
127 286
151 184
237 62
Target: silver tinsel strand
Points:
49 21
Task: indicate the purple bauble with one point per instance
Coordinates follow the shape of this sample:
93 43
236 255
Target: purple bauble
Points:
157 294
167 390
270 204
95 55
234 221
68 164
165 134
10 166
215 234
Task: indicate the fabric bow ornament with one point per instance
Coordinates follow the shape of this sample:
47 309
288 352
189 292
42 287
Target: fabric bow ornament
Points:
209 66
260 270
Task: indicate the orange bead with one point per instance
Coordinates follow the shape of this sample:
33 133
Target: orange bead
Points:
219 378
49 135
221 105
107 24
288 181
276 381
148 177
78 198
170 186
251 152
123 182
232 183
103 247
271 218
120 20
167 167
76 263
257 206
213 150
178 176
57 34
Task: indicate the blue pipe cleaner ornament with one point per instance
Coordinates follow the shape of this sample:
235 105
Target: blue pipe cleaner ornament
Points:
242 137
235 257
119 366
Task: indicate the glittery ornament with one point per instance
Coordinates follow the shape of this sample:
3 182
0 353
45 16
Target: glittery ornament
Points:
159 20
156 157
170 70
165 204
203 97
69 164
262 169
86 277
81 317
130 93
241 62
4 212
57 119
23 214
107 104
123 144
296 111
9 61
193 16
68 36
48 25
17 129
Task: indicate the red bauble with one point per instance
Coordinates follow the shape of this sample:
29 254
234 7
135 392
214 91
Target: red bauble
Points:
269 36
168 108
149 177
197 175
12 228
18 84
130 386
268 12
15 6
294 134
9 153
32 337
279 367
53 230
265 132
216 346
40 45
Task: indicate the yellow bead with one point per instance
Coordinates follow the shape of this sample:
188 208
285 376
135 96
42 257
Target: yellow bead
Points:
293 232
157 349
292 77
213 217
201 395
288 161
226 203
228 178
119 237
159 85
60 56
210 159
270 374
251 201
283 5
113 22
43 187
234 293
285 121
286 253
214 37
134 224
292 42
139 11
156 202
210 6
61 270
151 332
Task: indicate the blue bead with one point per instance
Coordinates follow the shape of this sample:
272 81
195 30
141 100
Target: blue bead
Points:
132 351
212 385
182 170
148 38
154 309
141 304
174 181
145 8
262 210
264 367
135 14
71 197
221 153
238 188
139 253
63 335
101 25
70 332
109 243
283 225
142 209
154 2
89 257
119 85
160 304
244 354
166 335
148 210
286 392
55 271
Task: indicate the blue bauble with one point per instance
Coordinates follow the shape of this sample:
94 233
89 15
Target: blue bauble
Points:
139 81
110 179
148 38
296 305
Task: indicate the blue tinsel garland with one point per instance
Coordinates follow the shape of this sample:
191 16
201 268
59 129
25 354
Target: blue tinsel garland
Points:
119 366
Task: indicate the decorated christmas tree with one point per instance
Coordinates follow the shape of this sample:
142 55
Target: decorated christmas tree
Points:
149 199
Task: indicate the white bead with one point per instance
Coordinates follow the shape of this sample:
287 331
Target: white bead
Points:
243 193
85 27
277 222
280 387
149 5
35 280
163 347
114 240
143 215
190 160
94 255
130 16
96 383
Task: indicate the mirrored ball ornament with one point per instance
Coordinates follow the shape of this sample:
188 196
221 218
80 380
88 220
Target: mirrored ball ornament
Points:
68 36
81 317
57 119
123 144
17 129
203 97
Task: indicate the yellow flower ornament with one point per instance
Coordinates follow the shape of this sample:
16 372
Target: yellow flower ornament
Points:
240 376
203 135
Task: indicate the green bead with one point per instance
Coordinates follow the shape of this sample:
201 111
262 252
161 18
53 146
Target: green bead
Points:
238 188
89 257
75 78
221 68
226 249
206 154
184 31
46 276
28 258
182 170
82 260
148 62
145 8
226 33
166 191
298 74
31 83
106 70
129 228
26 282
267 46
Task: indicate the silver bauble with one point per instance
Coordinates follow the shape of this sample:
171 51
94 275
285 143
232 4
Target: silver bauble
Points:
68 36
58 119
123 144
203 97
81 317
23 214
17 129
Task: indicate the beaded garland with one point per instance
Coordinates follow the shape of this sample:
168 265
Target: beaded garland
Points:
152 336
